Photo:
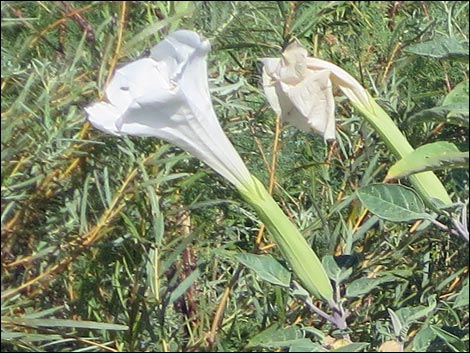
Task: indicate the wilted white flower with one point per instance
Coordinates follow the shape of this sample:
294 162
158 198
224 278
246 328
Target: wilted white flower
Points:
167 96
300 89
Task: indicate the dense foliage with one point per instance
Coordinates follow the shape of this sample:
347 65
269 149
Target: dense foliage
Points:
129 244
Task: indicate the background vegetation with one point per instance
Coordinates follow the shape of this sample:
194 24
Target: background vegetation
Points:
128 244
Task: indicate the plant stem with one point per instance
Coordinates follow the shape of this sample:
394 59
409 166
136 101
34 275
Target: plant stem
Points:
427 184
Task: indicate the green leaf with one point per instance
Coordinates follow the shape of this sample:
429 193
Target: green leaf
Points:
458 95
331 267
427 184
43 313
362 286
184 285
409 315
352 347
333 271
441 48
305 345
276 336
462 298
392 202
455 113
267 268
454 108
180 6
29 337
433 156
423 340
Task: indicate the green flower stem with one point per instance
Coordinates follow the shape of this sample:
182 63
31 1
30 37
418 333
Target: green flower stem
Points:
427 184
295 249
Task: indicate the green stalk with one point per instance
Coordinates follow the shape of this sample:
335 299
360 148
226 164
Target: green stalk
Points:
295 249
427 184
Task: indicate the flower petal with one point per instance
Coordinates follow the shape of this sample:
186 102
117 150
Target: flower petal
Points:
187 52
135 80
270 69
103 116
193 83
348 84
313 98
176 49
294 67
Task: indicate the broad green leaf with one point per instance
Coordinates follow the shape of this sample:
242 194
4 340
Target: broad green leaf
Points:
455 113
462 298
433 156
276 336
351 347
423 340
441 48
267 268
331 267
458 95
305 345
409 315
333 271
317 333
362 286
392 202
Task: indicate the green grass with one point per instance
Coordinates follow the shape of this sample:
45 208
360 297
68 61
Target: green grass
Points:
133 232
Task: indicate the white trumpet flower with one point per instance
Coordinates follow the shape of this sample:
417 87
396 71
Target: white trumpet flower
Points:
299 88
167 96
